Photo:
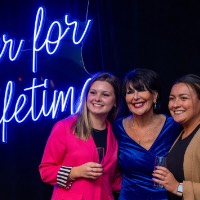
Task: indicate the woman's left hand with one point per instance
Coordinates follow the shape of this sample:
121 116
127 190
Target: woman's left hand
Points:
164 177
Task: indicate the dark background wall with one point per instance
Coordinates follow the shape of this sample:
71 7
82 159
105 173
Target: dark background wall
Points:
159 35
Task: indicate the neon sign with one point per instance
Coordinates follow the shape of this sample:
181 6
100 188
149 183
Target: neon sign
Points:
59 99
21 109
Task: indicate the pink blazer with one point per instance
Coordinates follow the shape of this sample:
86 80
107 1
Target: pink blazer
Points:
63 148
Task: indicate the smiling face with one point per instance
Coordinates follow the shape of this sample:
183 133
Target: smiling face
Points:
140 102
184 104
100 98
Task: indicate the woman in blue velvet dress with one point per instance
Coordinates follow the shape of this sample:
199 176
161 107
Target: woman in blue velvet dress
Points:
142 135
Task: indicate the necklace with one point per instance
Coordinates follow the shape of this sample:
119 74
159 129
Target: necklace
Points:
139 138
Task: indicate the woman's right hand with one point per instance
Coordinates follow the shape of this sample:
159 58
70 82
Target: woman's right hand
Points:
90 170
164 177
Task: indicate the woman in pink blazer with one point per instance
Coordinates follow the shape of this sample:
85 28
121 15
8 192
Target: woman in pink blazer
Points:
70 161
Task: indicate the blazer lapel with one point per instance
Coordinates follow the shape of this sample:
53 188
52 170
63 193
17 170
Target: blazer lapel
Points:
111 145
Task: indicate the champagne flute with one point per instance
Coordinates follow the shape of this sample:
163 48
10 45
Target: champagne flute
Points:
159 161
101 154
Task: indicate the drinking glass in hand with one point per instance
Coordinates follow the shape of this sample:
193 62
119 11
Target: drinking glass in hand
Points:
159 161
101 154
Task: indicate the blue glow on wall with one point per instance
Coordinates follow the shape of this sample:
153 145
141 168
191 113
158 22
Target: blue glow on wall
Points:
24 106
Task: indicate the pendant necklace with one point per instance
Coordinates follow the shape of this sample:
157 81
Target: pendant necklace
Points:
139 139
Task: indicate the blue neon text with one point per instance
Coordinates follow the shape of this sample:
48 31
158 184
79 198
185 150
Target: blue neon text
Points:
25 106
30 104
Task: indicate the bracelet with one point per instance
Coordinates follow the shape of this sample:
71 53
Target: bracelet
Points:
71 179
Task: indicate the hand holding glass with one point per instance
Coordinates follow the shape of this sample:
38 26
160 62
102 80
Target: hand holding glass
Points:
159 161
101 154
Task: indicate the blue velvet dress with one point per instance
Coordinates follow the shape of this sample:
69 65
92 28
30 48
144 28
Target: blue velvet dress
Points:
137 163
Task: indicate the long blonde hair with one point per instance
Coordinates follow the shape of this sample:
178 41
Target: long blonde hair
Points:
83 126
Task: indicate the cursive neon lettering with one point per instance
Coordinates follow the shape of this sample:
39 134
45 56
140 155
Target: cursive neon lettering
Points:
20 104
10 44
30 104
55 33
75 31
49 41
58 104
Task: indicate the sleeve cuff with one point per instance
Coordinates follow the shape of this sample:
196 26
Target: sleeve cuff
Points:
62 177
